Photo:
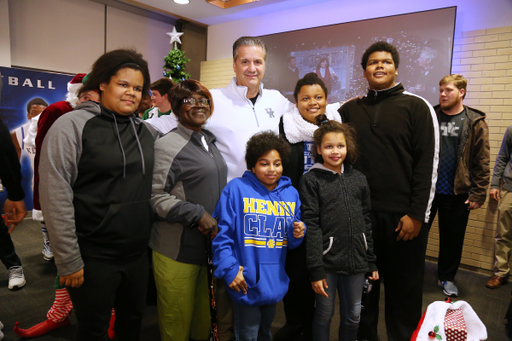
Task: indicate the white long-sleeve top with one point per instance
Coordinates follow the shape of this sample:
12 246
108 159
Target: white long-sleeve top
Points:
235 119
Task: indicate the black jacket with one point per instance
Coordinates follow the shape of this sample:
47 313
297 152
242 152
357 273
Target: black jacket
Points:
336 210
398 138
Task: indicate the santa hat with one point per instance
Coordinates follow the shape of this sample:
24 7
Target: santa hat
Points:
435 315
73 86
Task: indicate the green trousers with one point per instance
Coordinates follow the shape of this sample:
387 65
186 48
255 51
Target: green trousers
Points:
182 299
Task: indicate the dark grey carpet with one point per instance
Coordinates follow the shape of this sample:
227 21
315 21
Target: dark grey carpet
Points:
30 304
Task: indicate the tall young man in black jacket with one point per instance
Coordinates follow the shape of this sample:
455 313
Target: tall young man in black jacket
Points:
398 136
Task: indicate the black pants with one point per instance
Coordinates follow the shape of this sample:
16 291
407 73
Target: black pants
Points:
401 267
8 255
453 215
111 284
508 317
299 301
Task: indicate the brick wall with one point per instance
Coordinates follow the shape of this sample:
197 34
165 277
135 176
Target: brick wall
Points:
217 73
484 57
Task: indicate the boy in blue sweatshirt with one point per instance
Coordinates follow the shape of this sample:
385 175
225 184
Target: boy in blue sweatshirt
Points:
258 218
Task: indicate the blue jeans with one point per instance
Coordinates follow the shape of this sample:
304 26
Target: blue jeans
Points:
349 289
253 323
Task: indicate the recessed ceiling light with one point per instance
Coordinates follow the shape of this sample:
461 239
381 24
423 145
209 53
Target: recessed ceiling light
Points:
182 2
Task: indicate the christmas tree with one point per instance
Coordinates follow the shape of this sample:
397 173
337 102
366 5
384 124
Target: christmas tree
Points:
175 61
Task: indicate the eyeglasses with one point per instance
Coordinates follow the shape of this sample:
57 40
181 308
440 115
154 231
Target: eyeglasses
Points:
203 102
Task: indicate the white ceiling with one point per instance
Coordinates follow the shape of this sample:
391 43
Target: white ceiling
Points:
201 12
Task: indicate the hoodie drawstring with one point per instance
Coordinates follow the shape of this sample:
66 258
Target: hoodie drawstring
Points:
140 147
122 149
285 206
120 145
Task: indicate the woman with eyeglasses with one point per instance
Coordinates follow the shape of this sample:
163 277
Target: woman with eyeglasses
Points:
189 176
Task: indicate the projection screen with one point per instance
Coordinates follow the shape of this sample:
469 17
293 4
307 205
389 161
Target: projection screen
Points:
423 39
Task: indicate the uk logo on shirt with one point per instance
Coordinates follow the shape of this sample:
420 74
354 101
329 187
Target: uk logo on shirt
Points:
270 112
449 129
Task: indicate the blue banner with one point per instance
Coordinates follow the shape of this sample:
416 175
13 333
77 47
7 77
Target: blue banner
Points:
19 87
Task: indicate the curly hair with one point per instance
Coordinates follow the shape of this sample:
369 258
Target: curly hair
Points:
324 127
262 143
186 89
107 66
380 46
310 78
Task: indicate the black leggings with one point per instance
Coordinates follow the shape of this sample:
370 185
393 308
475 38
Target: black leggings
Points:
111 284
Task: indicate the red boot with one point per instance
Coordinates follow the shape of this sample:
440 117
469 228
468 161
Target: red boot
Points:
40 328
111 332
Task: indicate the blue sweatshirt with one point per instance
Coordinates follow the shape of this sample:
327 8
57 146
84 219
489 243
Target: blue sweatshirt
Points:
254 225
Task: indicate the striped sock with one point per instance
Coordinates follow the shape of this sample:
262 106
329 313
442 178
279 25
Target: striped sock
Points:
45 233
61 307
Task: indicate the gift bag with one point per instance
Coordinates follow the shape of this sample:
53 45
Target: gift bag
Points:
455 326
450 321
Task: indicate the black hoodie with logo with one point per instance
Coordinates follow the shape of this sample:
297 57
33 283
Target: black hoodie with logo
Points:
96 172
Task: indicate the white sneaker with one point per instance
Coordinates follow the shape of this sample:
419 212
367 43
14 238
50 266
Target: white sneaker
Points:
1 334
16 277
449 288
47 251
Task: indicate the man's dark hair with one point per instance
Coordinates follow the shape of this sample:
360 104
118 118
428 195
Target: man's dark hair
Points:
262 143
163 86
309 79
107 66
36 101
249 41
378 47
